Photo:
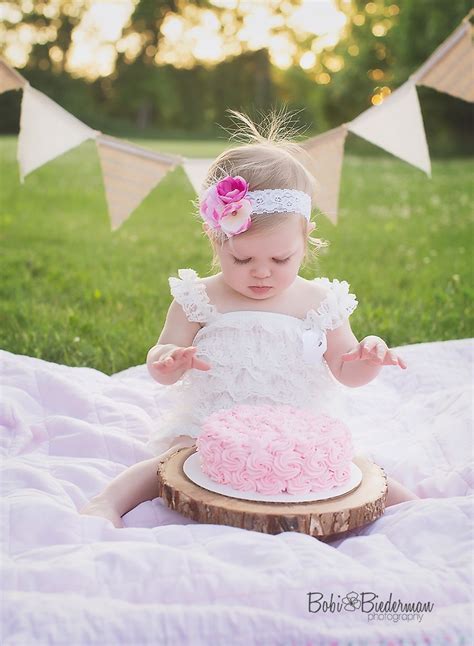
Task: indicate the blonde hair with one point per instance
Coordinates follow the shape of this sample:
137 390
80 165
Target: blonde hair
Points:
269 158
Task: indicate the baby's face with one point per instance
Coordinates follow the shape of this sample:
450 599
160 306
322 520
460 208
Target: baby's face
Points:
252 262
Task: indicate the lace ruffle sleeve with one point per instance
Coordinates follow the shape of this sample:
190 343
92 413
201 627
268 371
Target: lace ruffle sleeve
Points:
338 304
191 294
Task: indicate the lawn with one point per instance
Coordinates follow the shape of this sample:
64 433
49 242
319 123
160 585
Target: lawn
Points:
75 293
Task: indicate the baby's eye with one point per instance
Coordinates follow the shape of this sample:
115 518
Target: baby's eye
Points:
240 262
280 262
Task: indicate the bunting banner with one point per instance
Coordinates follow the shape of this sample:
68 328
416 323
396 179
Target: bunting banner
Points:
130 173
10 79
327 154
396 125
450 68
196 171
46 131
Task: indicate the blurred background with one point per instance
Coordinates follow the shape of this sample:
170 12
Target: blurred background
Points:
152 68
162 74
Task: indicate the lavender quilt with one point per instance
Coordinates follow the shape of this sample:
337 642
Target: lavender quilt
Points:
163 579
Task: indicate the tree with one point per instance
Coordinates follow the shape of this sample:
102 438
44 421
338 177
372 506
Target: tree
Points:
409 33
382 43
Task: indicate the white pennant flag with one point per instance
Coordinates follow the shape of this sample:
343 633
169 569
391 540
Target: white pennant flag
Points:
46 131
396 125
196 171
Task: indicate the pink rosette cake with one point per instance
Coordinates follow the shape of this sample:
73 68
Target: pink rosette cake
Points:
272 450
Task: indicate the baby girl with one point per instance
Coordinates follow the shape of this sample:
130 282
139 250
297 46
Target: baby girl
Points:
254 332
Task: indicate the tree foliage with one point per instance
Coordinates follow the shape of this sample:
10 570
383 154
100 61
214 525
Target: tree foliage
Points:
384 41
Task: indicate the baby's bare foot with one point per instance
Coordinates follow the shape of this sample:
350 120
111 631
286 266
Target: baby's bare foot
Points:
99 507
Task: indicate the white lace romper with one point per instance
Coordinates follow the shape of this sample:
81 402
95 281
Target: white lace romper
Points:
256 358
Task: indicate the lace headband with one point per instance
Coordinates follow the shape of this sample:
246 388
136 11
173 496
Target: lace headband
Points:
229 204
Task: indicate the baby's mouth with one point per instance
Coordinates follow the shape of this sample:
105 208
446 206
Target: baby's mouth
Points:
260 288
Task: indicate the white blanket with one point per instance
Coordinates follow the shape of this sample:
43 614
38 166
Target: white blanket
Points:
163 579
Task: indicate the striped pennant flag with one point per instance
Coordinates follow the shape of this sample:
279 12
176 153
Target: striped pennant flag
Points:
130 173
450 68
10 79
327 154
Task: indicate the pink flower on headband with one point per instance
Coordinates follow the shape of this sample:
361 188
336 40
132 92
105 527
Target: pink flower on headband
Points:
224 206
232 189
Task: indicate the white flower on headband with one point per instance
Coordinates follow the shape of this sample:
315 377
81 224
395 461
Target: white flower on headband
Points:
225 207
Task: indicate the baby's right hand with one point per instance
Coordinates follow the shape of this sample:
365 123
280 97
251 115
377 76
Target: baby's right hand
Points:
181 359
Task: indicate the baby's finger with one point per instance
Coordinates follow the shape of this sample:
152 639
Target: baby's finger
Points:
349 357
391 359
402 364
378 353
184 358
188 357
164 364
368 350
177 354
367 353
200 364
381 351
353 355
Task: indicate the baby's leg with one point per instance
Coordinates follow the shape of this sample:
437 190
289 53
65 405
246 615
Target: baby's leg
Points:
132 487
398 493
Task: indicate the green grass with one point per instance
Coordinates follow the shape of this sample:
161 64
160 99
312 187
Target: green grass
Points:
75 293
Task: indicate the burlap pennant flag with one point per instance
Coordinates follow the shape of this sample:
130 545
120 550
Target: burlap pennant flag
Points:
196 171
9 78
46 131
450 68
327 154
130 173
396 125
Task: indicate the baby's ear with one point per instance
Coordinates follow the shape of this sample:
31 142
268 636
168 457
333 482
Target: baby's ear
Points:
310 227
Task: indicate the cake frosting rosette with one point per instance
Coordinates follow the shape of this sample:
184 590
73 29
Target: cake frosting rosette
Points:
275 449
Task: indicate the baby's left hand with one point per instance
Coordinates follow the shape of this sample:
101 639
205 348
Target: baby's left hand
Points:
374 350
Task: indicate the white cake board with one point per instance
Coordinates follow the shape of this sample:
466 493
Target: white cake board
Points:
192 469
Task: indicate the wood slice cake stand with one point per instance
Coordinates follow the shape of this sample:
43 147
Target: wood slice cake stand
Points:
326 519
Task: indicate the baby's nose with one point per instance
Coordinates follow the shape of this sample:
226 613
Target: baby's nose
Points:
261 272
